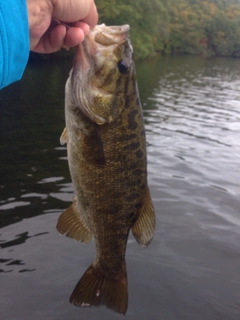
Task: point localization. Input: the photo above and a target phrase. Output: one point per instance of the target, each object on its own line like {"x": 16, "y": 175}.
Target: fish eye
{"x": 123, "y": 66}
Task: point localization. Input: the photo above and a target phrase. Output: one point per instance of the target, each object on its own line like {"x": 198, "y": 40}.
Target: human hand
{"x": 48, "y": 34}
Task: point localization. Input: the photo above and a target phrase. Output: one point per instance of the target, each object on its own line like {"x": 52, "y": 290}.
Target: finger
{"x": 72, "y": 11}
{"x": 82, "y": 25}
{"x": 73, "y": 37}
{"x": 92, "y": 18}
{"x": 59, "y": 37}
{"x": 51, "y": 41}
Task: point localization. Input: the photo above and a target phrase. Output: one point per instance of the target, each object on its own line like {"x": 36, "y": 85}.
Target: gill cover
{"x": 97, "y": 80}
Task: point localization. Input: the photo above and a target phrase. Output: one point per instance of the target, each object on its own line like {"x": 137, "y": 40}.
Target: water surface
{"x": 191, "y": 269}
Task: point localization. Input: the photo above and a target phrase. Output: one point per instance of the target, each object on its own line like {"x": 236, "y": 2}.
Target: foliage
{"x": 144, "y": 17}
{"x": 209, "y": 27}
{"x": 206, "y": 27}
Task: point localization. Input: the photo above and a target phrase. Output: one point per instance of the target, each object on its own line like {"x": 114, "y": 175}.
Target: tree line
{"x": 204, "y": 27}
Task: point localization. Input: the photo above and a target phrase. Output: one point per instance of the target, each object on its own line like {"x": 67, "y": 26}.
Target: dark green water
{"x": 191, "y": 269}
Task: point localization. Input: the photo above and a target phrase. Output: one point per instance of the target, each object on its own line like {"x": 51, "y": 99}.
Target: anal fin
{"x": 71, "y": 224}
{"x": 144, "y": 227}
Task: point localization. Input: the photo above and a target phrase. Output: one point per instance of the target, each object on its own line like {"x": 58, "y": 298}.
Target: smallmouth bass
{"x": 106, "y": 149}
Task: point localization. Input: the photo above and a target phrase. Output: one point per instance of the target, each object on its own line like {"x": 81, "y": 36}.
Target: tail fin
{"x": 94, "y": 289}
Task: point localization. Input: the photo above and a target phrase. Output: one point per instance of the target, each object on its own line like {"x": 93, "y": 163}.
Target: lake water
{"x": 191, "y": 270}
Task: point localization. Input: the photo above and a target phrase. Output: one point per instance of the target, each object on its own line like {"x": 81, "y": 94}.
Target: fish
{"x": 106, "y": 150}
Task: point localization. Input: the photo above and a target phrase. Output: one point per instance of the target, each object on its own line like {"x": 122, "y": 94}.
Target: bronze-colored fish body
{"x": 107, "y": 160}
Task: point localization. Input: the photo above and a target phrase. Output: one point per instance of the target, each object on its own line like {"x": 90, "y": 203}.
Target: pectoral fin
{"x": 143, "y": 228}
{"x": 64, "y": 137}
{"x": 71, "y": 224}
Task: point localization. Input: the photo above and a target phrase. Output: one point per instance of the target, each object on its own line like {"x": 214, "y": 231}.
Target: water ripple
{"x": 193, "y": 127}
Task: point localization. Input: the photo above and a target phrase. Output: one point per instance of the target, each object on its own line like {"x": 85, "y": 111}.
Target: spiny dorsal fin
{"x": 71, "y": 224}
{"x": 143, "y": 228}
{"x": 95, "y": 289}
{"x": 64, "y": 137}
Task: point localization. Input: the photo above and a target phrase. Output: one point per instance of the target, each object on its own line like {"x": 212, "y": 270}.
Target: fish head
{"x": 103, "y": 73}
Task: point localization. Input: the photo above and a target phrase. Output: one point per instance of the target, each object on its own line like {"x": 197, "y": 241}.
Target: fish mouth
{"x": 111, "y": 35}
{"x": 112, "y": 30}
{"x": 101, "y": 40}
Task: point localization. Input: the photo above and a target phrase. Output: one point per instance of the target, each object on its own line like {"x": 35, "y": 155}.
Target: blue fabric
{"x": 14, "y": 40}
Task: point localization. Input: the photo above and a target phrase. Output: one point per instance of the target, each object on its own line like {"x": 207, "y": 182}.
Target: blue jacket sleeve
{"x": 14, "y": 40}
